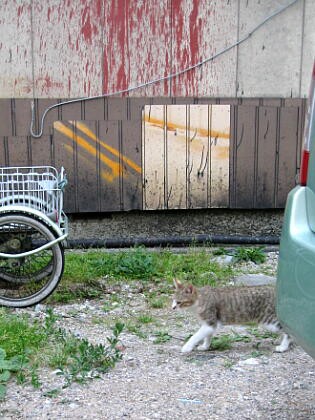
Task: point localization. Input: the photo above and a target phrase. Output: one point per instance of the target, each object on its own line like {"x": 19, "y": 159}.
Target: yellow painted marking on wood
{"x": 203, "y": 132}
{"x": 104, "y": 174}
{"x": 115, "y": 167}
{"x": 114, "y": 151}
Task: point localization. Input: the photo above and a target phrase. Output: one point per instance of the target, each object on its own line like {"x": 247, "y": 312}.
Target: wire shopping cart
{"x": 33, "y": 229}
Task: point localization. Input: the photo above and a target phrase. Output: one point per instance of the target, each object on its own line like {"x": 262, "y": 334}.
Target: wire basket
{"x": 38, "y": 187}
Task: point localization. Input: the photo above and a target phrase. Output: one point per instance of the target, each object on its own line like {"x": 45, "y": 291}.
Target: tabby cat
{"x": 228, "y": 305}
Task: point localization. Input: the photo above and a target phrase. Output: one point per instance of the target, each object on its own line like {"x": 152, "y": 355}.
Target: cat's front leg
{"x": 206, "y": 344}
{"x": 284, "y": 345}
{"x": 204, "y": 333}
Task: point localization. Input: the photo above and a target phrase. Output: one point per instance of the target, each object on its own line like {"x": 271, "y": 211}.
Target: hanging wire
{"x": 154, "y": 81}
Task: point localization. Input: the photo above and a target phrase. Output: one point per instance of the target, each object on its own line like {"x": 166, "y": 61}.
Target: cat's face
{"x": 184, "y": 296}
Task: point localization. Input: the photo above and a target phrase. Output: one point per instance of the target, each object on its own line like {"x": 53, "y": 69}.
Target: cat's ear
{"x": 190, "y": 288}
{"x": 177, "y": 284}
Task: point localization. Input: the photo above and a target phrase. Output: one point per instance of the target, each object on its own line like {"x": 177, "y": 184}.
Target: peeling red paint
{"x": 166, "y": 73}
{"x": 86, "y": 28}
{"x": 100, "y": 46}
{"x": 186, "y": 44}
{"x": 115, "y": 53}
{"x": 20, "y": 11}
{"x": 47, "y": 83}
{"x": 194, "y": 27}
{"x": 69, "y": 85}
{"x": 99, "y": 6}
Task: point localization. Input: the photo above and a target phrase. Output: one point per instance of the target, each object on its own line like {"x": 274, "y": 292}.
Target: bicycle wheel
{"x": 28, "y": 280}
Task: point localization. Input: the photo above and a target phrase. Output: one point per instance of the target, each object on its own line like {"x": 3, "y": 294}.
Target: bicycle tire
{"x": 29, "y": 281}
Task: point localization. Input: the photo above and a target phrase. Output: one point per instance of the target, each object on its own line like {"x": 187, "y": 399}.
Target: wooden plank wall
{"x": 100, "y": 144}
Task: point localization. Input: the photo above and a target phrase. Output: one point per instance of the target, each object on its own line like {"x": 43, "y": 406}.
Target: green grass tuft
{"x": 27, "y": 345}
{"x": 255, "y": 254}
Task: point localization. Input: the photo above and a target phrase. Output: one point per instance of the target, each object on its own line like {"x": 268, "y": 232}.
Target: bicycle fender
{"x": 32, "y": 212}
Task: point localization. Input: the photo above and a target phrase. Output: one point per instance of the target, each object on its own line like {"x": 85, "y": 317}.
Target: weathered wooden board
{"x": 65, "y": 154}
{"x": 18, "y": 151}
{"x": 114, "y": 163}
{"x": 131, "y": 162}
{"x": 6, "y": 117}
{"x": 266, "y": 155}
{"x": 153, "y": 158}
{"x": 41, "y": 151}
{"x": 3, "y": 161}
{"x": 288, "y": 144}
{"x": 186, "y": 156}
{"x": 103, "y": 166}
{"x": 244, "y": 167}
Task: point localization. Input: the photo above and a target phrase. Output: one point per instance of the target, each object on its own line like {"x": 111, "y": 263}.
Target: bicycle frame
{"x": 33, "y": 231}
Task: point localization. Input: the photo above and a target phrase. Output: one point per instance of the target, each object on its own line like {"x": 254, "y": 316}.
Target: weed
{"x": 219, "y": 251}
{"x": 7, "y": 367}
{"x": 111, "y": 304}
{"x": 241, "y": 338}
{"x": 221, "y": 342}
{"x": 145, "y": 319}
{"x": 18, "y": 336}
{"x": 262, "y": 334}
{"x": 138, "y": 264}
{"x": 256, "y": 353}
{"x": 52, "y": 393}
{"x": 84, "y": 360}
{"x": 135, "y": 329}
{"x": 158, "y": 302}
{"x": 255, "y": 254}
{"x": 228, "y": 363}
{"x": 161, "y": 337}
{"x": 26, "y": 346}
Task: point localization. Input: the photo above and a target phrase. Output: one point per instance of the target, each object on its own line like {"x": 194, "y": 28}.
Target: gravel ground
{"x": 155, "y": 381}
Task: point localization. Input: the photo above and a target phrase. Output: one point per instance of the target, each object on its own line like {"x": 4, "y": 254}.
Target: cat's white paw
{"x": 204, "y": 347}
{"x": 284, "y": 345}
{"x": 281, "y": 349}
{"x": 187, "y": 348}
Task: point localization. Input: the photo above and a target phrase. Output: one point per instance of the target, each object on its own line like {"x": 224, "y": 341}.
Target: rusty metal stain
{"x": 186, "y": 156}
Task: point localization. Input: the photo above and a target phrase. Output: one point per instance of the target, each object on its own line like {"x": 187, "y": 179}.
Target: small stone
{"x": 251, "y": 361}
{"x": 40, "y": 308}
{"x": 223, "y": 259}
{"x": 254, "y": 280}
